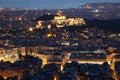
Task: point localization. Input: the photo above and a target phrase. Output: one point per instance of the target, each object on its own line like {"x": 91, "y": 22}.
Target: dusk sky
{"x": 47, "y": 4}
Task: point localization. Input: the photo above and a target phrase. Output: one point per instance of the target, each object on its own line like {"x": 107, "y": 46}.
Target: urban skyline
{"x": 46, "y": 4}
{"x": 59, "y": 40}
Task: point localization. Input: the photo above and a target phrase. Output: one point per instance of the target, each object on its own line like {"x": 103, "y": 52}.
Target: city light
{"x": 30, "y": 29}
{"x": 80, "y": 43}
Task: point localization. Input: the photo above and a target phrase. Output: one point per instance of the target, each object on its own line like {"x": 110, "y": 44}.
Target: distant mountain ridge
{"x": 81, "y": 6}
{"x": 101, "y": 5}
{"x": 102, "y": 11}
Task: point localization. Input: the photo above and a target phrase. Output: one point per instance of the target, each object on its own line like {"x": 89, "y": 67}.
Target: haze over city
{"x": 48, "y": 4}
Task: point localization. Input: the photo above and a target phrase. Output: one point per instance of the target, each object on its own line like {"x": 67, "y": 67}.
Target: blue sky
{"x": 47, "y": 4}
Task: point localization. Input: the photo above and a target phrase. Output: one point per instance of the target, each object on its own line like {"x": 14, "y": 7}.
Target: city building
{"x": 58, "y": 21}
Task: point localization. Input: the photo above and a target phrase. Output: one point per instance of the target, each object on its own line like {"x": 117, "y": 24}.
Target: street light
{"x": 30, "y": 29}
